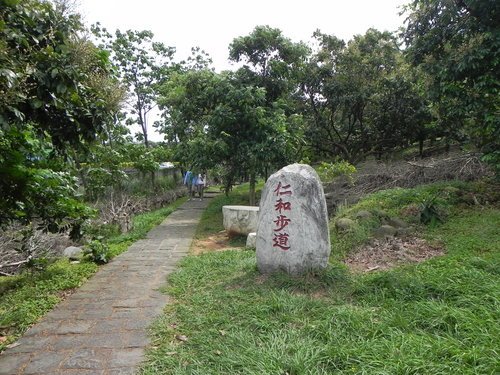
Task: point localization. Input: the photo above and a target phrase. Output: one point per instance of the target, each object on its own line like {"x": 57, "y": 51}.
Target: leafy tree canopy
{"x": 457, "y": 44}
{"x": 57, "y": 94}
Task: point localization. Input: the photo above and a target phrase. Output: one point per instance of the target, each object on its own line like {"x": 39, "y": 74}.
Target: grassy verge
{"x": 27, "y": 297}
{"x": 437, "y": 317}
{"x": 448, "y": 199}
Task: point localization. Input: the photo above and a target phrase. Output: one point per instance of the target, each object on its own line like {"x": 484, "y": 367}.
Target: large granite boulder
{"x": 292, "y": 233}
{"x": 240, "y": 219}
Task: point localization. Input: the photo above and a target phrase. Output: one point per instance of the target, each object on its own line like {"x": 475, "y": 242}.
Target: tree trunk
{"x": 252, "y": 189}
{"x": 152, "y": 181}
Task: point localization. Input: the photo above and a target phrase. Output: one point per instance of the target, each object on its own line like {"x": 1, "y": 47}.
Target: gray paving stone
{"x": 102, "y": 313}
{"x": 29, "y": 344}
{"x": 102, "y": 327}
{"x": 122, "y": 371}
{"x": 80, "y": 326}
{"x": 113, "y": 340}
{"x": 137, "y": 340}
{"x": 13, "y": 363}
{"x": 126, "y": 357}
{"x": 127, "y": 313}
{"x": 69, "y": 341}
{"x": 127, "y": 303}
{"x": 44, "y": 362}
{"x": 90, "y": 359}
{"x": 42, "y": 327}
{"x": 82, "y": 372}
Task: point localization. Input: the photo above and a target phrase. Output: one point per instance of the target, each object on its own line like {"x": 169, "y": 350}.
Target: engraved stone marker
{"x": 292, "y": 233}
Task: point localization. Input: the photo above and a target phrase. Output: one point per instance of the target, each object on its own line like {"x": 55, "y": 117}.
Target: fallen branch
{"x": 16, "y": 264}
{"x": 420, "y": 165}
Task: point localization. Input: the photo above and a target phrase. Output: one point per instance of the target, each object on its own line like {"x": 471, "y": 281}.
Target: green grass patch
{"x": 437, "y": 317}
{"x": 211, "y": 219}
{"x": 449, "y": 198}
{"x": 25, "y": 298}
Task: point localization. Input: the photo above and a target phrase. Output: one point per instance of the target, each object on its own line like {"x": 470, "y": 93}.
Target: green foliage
{"x": 430, "y": 212}
{"x": 222, "y": 121}
{"x": 46, "y": 74}
{"x": 271, "y": 61}
{"x": 33, "y": 183}
{"x": 104, "y": 169}
{"x": 328, "y": 171}
{"x": 416, "y": 319}
{"x": 142, "y": 65}
{"x": 492, "y": 157}
{"x": 56, "y": 95}
{"x": 97, "y": 251}
{"x": 360, "y": 98}
{"x": 456, "y": 44}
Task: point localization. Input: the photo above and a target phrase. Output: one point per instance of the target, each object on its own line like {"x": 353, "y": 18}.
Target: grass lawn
{"x": 211, "y": 218}
{"x": 437, "y": 317}
{"x": 25, "y": 298}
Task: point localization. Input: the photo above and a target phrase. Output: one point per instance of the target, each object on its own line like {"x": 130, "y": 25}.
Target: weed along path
{"x": 102, "y": 327}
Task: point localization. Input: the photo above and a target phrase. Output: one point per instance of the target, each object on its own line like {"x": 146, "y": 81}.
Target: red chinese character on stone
{"x": 280, "y": 205}
{"x": 281, "y": 189}
{"x": 281, "y": 222}
{"x": 281, "y": 241}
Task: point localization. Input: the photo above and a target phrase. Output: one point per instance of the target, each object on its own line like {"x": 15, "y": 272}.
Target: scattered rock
{"x": 363, "y": 214}
{"x": 405, "y": 231}
{"x": 396, "y": 222}
{"x": 344, "y": 224}
{"x": 251, "y": 240}
{"x": 181, "y": 338}
{"x": 381, "y": 214}
{"x": 73, "y": 252}
{"x": 385, "y": 231}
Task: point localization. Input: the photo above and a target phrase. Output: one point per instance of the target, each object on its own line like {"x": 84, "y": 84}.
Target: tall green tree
{"x": 359, "y": 98}
{"x": 142, "y": 64}
{"x": 56, "y": 96}
{"x": 270, "y": 60}
{"x": 224, "y": 121}
{"x": 456, "y": 43}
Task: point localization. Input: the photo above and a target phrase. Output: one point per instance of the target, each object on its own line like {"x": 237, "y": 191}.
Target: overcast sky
{"x": 213, "y": 24}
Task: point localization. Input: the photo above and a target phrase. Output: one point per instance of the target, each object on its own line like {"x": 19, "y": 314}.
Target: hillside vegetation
{"x": 436, "y": 316}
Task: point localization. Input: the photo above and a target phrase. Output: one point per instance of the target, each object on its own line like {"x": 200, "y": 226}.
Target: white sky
{"x": 213, "y": 24}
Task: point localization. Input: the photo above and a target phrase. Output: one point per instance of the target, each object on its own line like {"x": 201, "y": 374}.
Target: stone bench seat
{"x": 240, "y": 219}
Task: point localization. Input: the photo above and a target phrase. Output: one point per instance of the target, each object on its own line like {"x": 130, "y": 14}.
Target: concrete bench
{"x": 240, "y": 219}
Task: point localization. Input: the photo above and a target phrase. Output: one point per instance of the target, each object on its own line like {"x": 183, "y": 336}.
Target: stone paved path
{"x": 101, "y": 328}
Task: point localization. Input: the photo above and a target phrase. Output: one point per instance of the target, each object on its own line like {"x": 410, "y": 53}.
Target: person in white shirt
{"x": 200, "y": 184}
